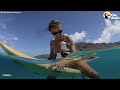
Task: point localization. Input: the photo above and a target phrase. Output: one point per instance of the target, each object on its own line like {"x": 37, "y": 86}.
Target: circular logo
{"x": 106, "y": 15}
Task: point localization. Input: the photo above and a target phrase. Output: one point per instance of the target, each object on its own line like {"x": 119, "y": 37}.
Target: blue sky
{"x": 20, "y": 30}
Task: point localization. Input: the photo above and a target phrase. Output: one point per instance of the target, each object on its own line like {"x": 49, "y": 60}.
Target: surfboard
{"x": 39, "y": 65}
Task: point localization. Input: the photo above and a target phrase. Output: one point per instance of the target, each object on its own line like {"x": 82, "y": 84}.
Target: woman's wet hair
{"x": 53, "y": 23}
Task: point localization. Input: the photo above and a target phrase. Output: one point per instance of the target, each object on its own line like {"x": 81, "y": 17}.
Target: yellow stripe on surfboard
{"x": 14, "y": 52}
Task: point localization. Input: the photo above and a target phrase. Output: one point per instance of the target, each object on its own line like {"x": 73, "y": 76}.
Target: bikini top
{"x": 64, "y": 48}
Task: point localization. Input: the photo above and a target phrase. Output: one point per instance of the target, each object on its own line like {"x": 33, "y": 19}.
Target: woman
{"x": 56, "y": 51}
{"x": 55, "y": 28}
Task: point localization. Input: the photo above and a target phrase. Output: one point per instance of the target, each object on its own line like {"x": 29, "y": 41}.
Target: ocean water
{"x": 107, "y": 65}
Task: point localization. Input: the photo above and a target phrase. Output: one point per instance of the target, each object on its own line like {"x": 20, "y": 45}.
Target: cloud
{"x": 5, "y": 36}
{"x": 78, "y": 36}
{"x": 3, "y": 22}
{"x": 10, "y": 39}
{"x": 108, "y": 23}
{"x": 88, "y": 40}
{"x": 3, "y": 26}
{"x": 15, "y": 38}
{"x": 110, "y": 30}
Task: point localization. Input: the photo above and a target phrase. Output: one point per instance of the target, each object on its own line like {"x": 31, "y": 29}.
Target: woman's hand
{"x": 57, "y": 66}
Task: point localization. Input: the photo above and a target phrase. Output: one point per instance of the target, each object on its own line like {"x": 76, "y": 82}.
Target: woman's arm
{"x": 72, "y": 44}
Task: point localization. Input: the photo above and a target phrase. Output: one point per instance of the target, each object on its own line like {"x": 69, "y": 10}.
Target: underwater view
{"x": 107, "y": 65}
